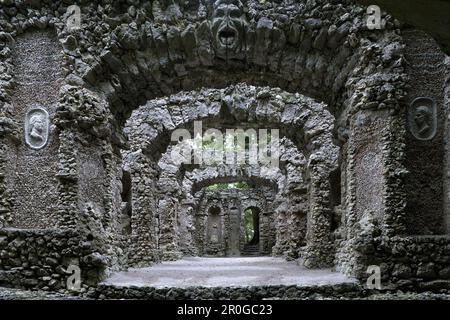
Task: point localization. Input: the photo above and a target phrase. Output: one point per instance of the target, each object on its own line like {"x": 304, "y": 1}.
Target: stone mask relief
{"x": 422, "y": 119}
{"x": 228, "y": 27}
{"x": 36, "y": 128}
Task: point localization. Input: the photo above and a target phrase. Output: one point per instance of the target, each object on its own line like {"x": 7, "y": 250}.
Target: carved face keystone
{"x": 228, "y": 23}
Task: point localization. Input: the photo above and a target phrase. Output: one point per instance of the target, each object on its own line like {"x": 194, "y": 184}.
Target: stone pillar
{"x": 186, "y": 240}
{"x": 68, "y": 181}
{"x": 168, "y": 233}
{"x": 265, "y": 238}
{"x": 32, "y": 159}
{"x": 426, "y": 143}
{"x": 144, "y": 226}
{"x": 447, "y": 147}
{"x": 319, "y": 249}
{"x": 280, "y": 225}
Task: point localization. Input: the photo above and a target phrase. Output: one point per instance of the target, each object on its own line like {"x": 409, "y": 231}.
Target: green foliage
{"x": 227, "y": 186}
{"x": 249, "y": 225}
{"x": 218, "y": 187}
{"x": 241, "y": 185}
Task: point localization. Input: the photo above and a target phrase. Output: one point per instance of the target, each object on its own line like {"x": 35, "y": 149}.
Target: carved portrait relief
{"x": 37, "y": 128}
{"x": 422, "y": 119}
{"x": 228, "y": 28}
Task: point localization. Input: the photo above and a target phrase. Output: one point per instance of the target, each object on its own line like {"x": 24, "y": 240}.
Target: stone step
{"x": 330, "y": 291}
{"x": 251, "y": 250}
{"x": 245, "y": 254}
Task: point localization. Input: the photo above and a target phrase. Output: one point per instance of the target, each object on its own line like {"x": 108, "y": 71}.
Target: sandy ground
{"x": 227, "y": 272}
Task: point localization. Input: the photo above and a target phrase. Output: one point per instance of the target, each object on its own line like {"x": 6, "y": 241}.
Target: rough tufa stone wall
{"x": 224, "y": 204}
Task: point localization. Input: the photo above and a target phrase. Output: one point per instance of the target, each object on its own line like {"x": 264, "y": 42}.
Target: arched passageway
{"x": 252, "y": 231}
{"x": 135, "y": 72}
{"x": 226, "y": 205}
{"x": 251, "y": 226}
{"x": 308, "y": 125}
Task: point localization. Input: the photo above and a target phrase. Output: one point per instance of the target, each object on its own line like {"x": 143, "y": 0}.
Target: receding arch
{"x": 145, "y": 61}
{"x": 335, "y": 60}
{"x": 307, "y": 122}
{"x": 231, "y": 204}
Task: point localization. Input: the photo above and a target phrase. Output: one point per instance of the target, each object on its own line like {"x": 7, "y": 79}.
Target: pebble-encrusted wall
{"x": 426, "y": 144}
{"x": 36, "y": 259}
{"x": 63, "y": 138}
{"x": 32, "y": 161}
{"x": 224, "y": 204}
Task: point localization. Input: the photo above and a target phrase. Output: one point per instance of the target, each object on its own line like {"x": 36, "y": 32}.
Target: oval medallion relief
{"x": 37, "y": 128}
{"x": 422, "y": 119}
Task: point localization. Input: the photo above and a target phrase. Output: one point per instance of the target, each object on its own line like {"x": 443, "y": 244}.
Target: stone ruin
{"x": 91, "y": 94}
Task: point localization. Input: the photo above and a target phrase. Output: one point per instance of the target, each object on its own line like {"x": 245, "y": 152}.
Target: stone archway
{"x": 358, "y": 74}
{"x": 251, "y": 223}
{"x": 308, "y": 123}
{"x": 300, "y": 53}
{"x": 196, "y": 181}
{"x": 232, "y": 203}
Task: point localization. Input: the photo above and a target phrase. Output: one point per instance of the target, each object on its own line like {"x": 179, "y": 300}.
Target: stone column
{"x": 187, "y": 227}
{"x": 447, "y": 147}
{"x": 168, "y": 234}
{"x": 319, "y": 249}
{"x": 68, "y": 181}
{"x": 168, "y": 193}
{"x": 32, "y": 159}
{"x": 144, "y": 226}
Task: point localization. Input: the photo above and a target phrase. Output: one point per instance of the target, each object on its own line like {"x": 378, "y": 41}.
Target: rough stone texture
{"x": 415, "y": 262}
{"x": 310, "y": 293}
{"x": 233, "y": 202}
{"x": 18, "y": 294}
{"x": 31, "y": 173}
{"x": 135, "y": 71}
{"x": 429, "y": 16}
{"x": 289, "y": 181}
{"x": 229, "y": 293}
{"x": 424, "y": 159}
{"x": 39, "y": 259}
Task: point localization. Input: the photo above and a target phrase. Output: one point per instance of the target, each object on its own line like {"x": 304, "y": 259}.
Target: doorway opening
{"x": 251, "y": 232}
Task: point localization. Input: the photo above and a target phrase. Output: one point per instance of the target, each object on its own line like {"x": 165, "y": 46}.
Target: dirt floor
{"x": 216, "y": 272}
{"x": 225, "y": 272}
